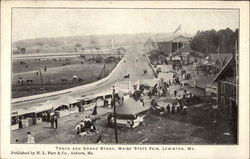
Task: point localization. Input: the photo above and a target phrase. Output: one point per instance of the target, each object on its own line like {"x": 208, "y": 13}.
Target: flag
{"x": 179, "y": 28}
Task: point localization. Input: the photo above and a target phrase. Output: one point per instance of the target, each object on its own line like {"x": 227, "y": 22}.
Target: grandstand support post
{"x": 115, "y": 124}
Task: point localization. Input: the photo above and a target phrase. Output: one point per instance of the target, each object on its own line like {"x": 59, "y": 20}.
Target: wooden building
{"x": 172, "y": 43}
{"x": 227, "y": 86}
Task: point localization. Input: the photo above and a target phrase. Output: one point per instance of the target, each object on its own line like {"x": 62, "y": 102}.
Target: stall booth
{"x": 42, "y": 112}
{"x": 23, "y": 118}
{"x": 130, "y": 114}
{"x": 108, "y": 98}
{"x": 73, "y": 104}
{"x": 14, "y": 120}
{"x": 60, "y": 108}
{"x": 88, "y": 102}
{"x": 99, "y": 101}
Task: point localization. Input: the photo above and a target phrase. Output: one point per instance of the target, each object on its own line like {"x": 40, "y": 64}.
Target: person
{"x": 179, "y": 98}
{"x": 17, "y": 141}
{"x": 175, "y": 93}
{"x": 106, "y": 102}
{"x": 30, "y": 137}
{"x": 184, "y": 110}
{"x": 48, "y": 116}
{"x": 56, "y": 121}
{"x": 92, "y": 127}
{"x": 168, "y": 108}
{"x": 94, "y": 110}
{"x": 150, "y": 94}
{"x": 191, "y": 95}
{"x": 178, "y": 108}
{"x": 109, "y": 119}
{"x": 78, "y": 129}
{"x": 82, "y": 126}
{"x": 52, "y": 121}
{"x": 181, "y": 107}
{"x": 20, "y": 124}
{"x": 99, "y": 139}
{"x": 45, "y": 68}
{"x": 173, "y": 109}
{"x": 141, "y": 100}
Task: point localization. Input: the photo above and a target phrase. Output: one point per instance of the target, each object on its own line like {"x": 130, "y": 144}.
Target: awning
{"x": 22, "y": 111}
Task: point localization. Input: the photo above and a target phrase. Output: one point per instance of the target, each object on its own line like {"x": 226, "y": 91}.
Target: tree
{"x": 210, "y": 40}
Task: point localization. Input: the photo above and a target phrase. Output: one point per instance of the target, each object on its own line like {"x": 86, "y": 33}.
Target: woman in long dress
{"x": 30, "y": 138}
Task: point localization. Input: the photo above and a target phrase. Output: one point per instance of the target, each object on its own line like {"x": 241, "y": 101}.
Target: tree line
{"x": 211, "y": 41}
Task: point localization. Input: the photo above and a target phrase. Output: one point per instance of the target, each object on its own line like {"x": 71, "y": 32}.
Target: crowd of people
{"x": 85, "y": 126}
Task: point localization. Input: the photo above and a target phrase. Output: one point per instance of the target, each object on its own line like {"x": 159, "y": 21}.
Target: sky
{"x": 40, "y": 23}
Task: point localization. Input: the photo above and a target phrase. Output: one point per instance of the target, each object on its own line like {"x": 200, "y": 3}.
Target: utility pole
{"x": 40, "y": 72}
{"x": 115, "y": 124}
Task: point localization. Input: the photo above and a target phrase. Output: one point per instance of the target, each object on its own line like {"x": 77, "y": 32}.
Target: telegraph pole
{"x": 115, "y": 124}
{"x": 40, "y": 72}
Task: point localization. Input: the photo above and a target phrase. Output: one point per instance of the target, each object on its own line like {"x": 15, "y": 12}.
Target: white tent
{"x": 149, "y": 82}
{"x": 165, "y": 68}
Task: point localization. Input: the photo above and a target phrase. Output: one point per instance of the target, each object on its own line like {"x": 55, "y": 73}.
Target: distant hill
{"x": 68, "y": 44}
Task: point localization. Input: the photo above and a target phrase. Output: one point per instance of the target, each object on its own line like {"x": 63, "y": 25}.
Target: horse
{"x": 29, "y": 81}
{"x": 127, "y": 76}
{"x": 64, "y": 80}
{"x": 80, "y": 80}
{"x": 20, "y": 81}
{"x": 22, "y": 62}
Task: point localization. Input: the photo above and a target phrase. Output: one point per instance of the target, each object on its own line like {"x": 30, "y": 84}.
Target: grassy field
{"x": 52, "y": 78}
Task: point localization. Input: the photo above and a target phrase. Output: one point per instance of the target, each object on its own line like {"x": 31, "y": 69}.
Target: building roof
{"x": 129, "y": 108}
{"x": 170, "y": 37}
{"x": 224, "y": 69}
{"x": 221, "y": 57}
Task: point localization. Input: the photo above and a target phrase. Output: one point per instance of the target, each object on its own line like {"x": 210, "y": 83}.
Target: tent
{"x": 149, "y": 82}
{"x": 165, "y": 68}
{"x": 130, "y": 109}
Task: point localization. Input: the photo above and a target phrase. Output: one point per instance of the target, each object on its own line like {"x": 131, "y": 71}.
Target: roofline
{"x": 223, "y": 69}
{"x": 179, "y": 36}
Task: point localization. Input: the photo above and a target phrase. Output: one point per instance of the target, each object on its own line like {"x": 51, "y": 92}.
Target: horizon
{"x": 58, "y": 23}
{"x": 117, "y": 34}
